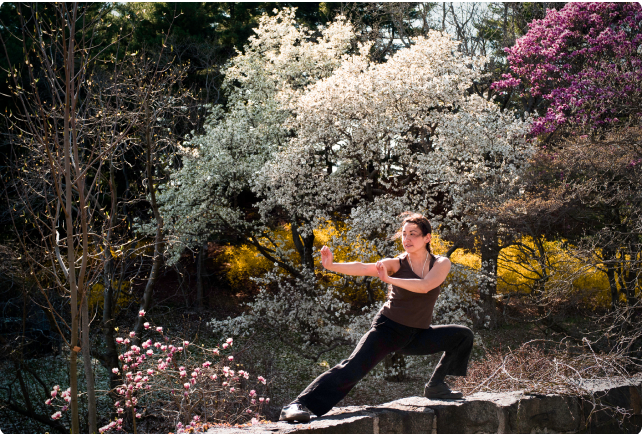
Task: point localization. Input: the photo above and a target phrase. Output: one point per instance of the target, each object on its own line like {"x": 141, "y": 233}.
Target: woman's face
{"x": 412, "y": 239}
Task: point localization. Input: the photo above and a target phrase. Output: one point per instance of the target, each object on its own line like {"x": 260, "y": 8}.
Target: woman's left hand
{"x": 382, "y": 271}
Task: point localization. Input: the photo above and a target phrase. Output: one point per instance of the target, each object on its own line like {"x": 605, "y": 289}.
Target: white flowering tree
{"x": 314, "y": 132}
{"x": 374, "y": 140}
{"x": 212, "y": 191}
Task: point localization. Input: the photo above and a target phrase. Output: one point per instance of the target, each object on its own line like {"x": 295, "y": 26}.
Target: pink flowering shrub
{"x": 585, "y": 61}
{"x": 59, "y": 399}
{"x": 187, "y": 384}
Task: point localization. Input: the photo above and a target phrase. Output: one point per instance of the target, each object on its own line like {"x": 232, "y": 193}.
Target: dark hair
{"x": 421, "y": 222}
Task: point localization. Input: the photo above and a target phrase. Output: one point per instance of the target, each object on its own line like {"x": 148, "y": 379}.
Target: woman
{"x": 402, "y": 325}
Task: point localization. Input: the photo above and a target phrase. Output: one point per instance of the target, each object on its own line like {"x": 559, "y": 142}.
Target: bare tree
{"x": 80, "y": 111}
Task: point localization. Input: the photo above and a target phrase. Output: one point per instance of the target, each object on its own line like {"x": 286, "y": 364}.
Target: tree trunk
{"x": 89, "y": 372}
{"x": 200, "y": 270}
{"x": 304, "y": 246}
{"x": 69, "y": 139}
{"x": 110, "y": 358}
{"x": 610, "y": 274}
{"x": 159, "y": 240}
{"x": 488, "y": 285}
{"x": 308, "y": 251}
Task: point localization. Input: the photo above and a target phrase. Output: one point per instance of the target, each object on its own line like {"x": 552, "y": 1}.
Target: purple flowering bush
{"x": 186, "y": 384}
{"x": 585, "y": 61}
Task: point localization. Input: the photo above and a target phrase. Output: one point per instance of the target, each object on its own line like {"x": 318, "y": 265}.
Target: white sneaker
{"x": 295, "y": 412}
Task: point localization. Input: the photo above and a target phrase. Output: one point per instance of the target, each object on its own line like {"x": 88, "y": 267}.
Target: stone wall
{"x": 510, "y": 412}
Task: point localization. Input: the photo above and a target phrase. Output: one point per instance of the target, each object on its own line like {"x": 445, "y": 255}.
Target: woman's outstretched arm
{"x": 431, "y": 280}
{"x": 354, "y": 268}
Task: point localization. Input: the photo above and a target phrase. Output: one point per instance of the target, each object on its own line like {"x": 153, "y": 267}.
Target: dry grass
{"x": 541, "y": 367}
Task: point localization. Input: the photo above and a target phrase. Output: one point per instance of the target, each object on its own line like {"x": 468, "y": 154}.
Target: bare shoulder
{"x": 442, "y": 262}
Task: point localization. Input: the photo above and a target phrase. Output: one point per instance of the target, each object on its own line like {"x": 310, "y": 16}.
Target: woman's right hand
{"x": 327, "y": 259}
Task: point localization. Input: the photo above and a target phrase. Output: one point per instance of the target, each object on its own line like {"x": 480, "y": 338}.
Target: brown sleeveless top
{"x": 411, "y": 309}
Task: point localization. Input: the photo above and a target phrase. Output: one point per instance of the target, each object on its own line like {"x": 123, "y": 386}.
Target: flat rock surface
{"x": 482, "y": 412}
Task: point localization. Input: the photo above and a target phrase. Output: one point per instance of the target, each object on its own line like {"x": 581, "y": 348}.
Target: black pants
{"x": 384, "y": 337}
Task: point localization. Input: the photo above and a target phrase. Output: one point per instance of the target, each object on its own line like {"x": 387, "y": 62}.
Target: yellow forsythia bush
{"x": 517, "y": 272}
{"x": 245, "y": 261}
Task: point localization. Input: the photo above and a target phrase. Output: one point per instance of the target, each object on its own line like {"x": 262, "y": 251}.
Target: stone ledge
{"x": 509, "y": 412}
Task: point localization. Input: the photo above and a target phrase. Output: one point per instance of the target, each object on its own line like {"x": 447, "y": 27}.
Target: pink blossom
{"x": 114, "y": 370}
{"x": 213, "y": 376}
{"x": 186, "y": 343}
{"x": 230, "y": 358}
{"x": 207, "y": 364}
{"x": 183, "y": 373}
{"x": 253, "y": 401}
{"x": 138, "y": 415}
{"x": 150, "y": 352}
{"x": 54, "y": 393}
{"x": 252, "y": 393}
{"x": 232, "y": 389}
{"x": 582, "y": 60}
{"x": 48, "y": 402}
{"x": 150, "y": 371}
{"x": 141, "y": 312}
{"x": 126, "y": 341}
{"x": 216, "y": 352}
{"x": 261, "y": 399}
{"x": 132, "y": 334}
{"x": 186, "y": 385}
{"x": 159, "y": 329}
{"x": 119, "y": 340}
{"x": 261, "y": 379}
{"x": 157, "y": 344}
{"x": 120, "y": 411}
{"x": 229, "y": 341}
{"x": 56, "y": 415}
{"x": 255, "y": 421}
{"x": 225, "y": 346}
